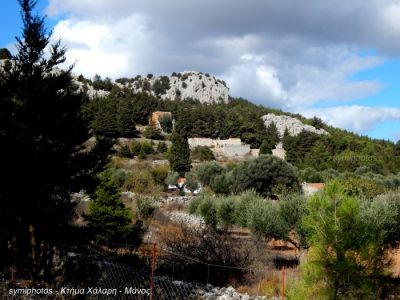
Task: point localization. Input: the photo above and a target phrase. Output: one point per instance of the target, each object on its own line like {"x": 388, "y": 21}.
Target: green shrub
{"x": 108, "y": 218}
{"x": 159, "y": 174}
{"x": 226, "y": 213}
{"x": 266, "y": 175}
{"x": 166, "y": 123}
{"x": 355, "y": 186}
{"x": 153, "y": 133}
{"x": 141, "y": 181}
{"x": 147, "y": 147}
{"x": 135, "y": 148}
{"x": 162, "y": 147}
{"x": 145, "y": 207}
{"x": 192, "y": 182}
{"x": 222, "y": 183}
{"x": 310, "y": 175}
{"x": 348, "y": 236}
{"x": 208, "y": 211}
{"x": 206, "y": 172}
{"x": 161, "y": 85}
{"x": 125, "y": 151}
{"x": 202, "y": 153}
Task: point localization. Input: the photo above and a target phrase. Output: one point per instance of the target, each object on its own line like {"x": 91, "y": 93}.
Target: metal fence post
{"x": 208, "y": 272}
{"x": 152, "y": 272}
{"x": 283, "y": 283}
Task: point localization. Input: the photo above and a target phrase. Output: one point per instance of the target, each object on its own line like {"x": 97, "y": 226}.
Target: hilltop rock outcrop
{"x": 188, "y": 84}
{"x": 293, "y": 125}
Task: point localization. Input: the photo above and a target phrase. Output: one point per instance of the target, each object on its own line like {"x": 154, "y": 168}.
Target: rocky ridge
{"x": 293, "y": 125}
{"x": 188, "y": 84}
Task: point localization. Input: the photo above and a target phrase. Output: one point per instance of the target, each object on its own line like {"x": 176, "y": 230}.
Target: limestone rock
{"x": 188, "y": 84}
{"x": 293, "y": 125}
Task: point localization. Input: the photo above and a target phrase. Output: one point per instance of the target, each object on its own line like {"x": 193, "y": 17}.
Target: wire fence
{"x": 99, "y": 277}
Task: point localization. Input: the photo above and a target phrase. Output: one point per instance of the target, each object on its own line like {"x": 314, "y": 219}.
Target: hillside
{"x": 312, "y": 143}
{"x": 180, "y": 86}
{"x": 202, "y": 101}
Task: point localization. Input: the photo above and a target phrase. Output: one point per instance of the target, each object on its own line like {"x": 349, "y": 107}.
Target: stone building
{"x": 194, "y": 142}
{"x": 155, "y": 117}
{"x": 279, "y": 151}
{"x": 232, "y": 147}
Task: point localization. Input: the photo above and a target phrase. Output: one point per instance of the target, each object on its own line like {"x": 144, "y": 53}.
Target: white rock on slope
{"x": 293, "y": 125}
{"x": 188, "y": 84}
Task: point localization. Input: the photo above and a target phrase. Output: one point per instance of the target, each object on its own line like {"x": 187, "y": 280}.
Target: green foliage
{"x": 159, "y": 174}
{"x": 355, "y": 186}
{"x": 317, "y": 123}
{"x": 266, "y": 174}
{"x": 266, "y": 147}
{"x": 111, "y": 117}
{"x": 206, "y": 172}
{"x": 108, "y": 218}
{"x": 102, "y": 84}
{"x": 264, "y": 217}
{"x": 192, "y": 182}
{"x": 162, "y": 147}
{"x": 153, "y": 133}
{"x": 143, "y": 181}
{"x": 208, "y": 211}
{"x": 147, "y": 148}
{"x": 297, "y": 147}
{"x": 340, "y": 150}
{"x": 310, "y": 175}
{"x": 179, "y": 157}
{"x": 166, "y": 123}
{"x": 348, "y": 236}
{"x": 272, "y": 135}
{"x": 41, "y": 129}
{"x": 161, "y": 85}
{"x": 172, "y": 178}
{"x": 222, "y": 183}
{"x": 5, "y": 54}
{"x": 202, "y": 153}
{"x": 136, "y": 147}
{"x": 125, "y": 151}
{"x": 145, "y": 207}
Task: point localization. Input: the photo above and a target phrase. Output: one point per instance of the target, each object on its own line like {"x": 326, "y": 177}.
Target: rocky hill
{"x": 188, "y": 84}
{"x": 293, "y": 125}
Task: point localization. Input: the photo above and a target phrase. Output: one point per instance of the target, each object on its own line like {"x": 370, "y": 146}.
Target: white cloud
{"x": 113, "y": 50}
{"x": 266, "y": 51}
{"x": 356, "y": 118}
{"x": 277, "y": 52}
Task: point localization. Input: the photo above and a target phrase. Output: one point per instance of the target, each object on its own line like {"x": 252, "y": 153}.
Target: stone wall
{"x": 234, "y": 150}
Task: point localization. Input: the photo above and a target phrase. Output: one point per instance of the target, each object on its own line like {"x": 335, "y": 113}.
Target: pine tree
{"x": 41, "y": 129}
{"x": 109, "y": 218}
{"x": 179, "y": 157}
{"x": 266, "y": 147}
{"x": 272, "y": 134}
{"x": 4, "y": 53}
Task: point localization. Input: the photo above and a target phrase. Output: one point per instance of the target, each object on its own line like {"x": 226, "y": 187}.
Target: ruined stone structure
{"x": 155, "y": 117}
{"x": 279, "y": 151}
{"x": 229, "y": 148}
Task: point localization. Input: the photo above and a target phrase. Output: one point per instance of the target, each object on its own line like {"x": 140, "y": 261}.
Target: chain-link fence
{"x": 99, "y": 277}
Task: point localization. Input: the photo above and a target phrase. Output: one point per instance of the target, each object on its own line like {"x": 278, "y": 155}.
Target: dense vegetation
{"x": 45, "y": 124}
{"x": 347, "y": 235}
{"x": 340, "y": 150}
{"x": 40, "y": 132}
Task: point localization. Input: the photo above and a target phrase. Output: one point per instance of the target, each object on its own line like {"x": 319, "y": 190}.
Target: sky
{"x": 338, "y": 59}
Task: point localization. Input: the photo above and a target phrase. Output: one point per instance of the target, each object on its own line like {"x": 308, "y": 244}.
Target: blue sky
{"x": 335, "y": 59}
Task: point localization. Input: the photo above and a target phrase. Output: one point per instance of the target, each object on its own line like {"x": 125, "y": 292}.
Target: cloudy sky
{"x": 336, "y": 59}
